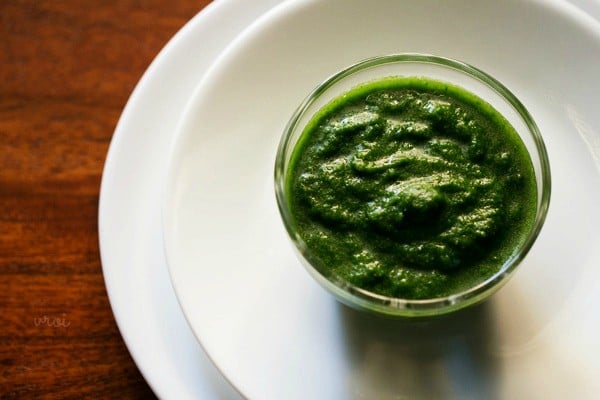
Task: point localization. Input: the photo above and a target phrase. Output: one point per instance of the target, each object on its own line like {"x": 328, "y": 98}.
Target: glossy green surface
{"x": 410, "y": 188}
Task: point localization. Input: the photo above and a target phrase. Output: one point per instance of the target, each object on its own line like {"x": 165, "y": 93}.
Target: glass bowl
{"x": 440, "y": 69}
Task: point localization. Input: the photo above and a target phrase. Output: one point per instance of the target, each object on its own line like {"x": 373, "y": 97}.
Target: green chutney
{"x": 410, "y": 188}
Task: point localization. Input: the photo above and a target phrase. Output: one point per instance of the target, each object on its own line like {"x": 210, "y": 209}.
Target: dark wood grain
{"x": 67, "y": 69}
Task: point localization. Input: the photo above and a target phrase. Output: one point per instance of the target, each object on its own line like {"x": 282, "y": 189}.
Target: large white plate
{"x": 274, "y": 332}
{"x": 143, "y": 301}
{"x": 130, "y": 231}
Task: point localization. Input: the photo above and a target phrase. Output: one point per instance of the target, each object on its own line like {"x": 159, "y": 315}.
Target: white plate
{"x": 130, "y": 231}
{"x": 273, "y": 331}
{"x": 143, "y": 301}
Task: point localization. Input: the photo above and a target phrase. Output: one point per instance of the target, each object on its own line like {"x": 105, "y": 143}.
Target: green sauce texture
{"x": 410, "y": 188}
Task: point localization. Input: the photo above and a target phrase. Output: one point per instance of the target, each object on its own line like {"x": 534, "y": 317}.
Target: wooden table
{"x": 67, "y": 69}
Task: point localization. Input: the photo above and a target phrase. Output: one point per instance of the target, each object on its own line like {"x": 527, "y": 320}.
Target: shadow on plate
{"x": 444, "y": 357}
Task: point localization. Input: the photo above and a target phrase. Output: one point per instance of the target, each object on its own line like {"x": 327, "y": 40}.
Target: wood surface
{"x": 67, "y": 68}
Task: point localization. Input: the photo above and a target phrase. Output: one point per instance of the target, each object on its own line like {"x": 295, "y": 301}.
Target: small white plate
{"x": 274, "y": 332}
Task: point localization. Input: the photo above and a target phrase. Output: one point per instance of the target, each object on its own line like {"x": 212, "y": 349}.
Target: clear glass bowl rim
{"x": 359, "y": 298}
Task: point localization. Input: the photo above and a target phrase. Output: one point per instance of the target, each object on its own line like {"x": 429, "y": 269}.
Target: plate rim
{"x": 214, "y": 10}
